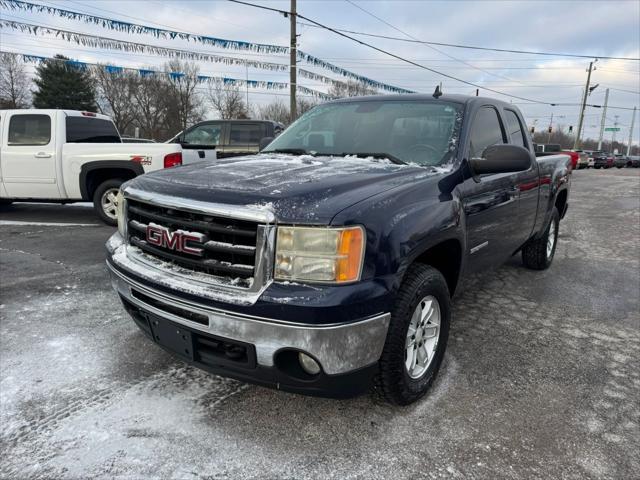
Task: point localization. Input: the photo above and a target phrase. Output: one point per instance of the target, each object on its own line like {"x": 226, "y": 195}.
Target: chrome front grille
{"x": 230, "y": 249}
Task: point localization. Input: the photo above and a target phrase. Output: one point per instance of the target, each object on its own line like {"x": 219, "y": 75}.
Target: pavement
{"x": 541, "y": 378}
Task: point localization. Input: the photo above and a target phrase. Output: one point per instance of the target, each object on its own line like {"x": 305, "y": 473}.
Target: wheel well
{"x": 561, "y": 201}
{"x": 96, "y": 177}
{"x": 446, "y": 257}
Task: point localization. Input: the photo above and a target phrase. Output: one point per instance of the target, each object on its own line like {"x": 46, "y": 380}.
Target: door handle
{"x": 42, "y": 155}
{"x": 201, "y": 153}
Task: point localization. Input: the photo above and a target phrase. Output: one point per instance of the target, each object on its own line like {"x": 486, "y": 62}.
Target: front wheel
{"x": 417, "y": 336}
{"x": 105, "y": 201}
{"x": 538, "y": 254}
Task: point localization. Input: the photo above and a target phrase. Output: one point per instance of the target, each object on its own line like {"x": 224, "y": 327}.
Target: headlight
{"x": 120, "y": 213}
{"x": 319, "y": 254}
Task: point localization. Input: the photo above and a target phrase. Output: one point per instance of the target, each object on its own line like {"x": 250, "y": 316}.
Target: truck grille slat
{"x": 228, "y": 246}
{"x": 169, "y": 220}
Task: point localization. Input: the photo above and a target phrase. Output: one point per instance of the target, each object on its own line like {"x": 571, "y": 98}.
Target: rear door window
{"x": 485, "y": 131}
{"x": 246, "y": 133}
{"x": 516, "y": 132}
{"x": 28, "y": 130}
{"x": 209, "y": 134}
{"x": 91, "y": 130}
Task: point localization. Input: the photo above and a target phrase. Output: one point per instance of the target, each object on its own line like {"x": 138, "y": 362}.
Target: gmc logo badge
{"x": 179, "y": 240}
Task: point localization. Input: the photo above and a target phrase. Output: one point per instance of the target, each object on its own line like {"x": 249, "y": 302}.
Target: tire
{"x": 535, "y": 254}
{"x": 106, "y": 213}
{"x": 422, "y": 284}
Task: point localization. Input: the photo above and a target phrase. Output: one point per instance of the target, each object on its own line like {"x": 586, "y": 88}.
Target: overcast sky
{"x": 606, "y": 28}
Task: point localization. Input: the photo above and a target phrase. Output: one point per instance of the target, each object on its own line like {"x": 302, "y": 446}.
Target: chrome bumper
{"x": 340, "y": 348}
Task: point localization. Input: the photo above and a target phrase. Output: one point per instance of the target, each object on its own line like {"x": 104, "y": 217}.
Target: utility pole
{"x": 293, "y": 57}
{"x": 550, "y": 128}
{"x": 613, "y": 136}
{"x": 246, "y": 70}
{"x": 633, "y": 121}
{"x": 604, "y": 115}
{"x": 576, "y": 144}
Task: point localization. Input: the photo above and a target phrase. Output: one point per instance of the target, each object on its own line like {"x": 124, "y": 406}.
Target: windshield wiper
{"x": 292, "y": 151}
{"x": 380, "y": 155}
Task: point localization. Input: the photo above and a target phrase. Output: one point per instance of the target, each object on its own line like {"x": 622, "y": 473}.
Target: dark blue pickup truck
{"x": 326, "y": 263}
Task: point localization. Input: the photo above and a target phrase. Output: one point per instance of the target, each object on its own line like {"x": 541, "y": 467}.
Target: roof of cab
{"x": 423, "y": 97}
{"x": 50, "y": 111}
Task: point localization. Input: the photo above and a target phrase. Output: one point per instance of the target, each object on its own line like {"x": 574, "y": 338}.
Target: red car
{"x": 575, "y": 156}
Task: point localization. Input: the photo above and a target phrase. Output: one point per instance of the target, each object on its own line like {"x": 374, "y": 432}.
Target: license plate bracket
{"x": 172, "y": 336}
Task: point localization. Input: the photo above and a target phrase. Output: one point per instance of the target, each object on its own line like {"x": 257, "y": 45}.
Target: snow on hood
{"x": 293, "y": 187}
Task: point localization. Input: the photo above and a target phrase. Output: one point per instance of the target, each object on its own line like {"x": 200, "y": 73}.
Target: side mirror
{"x": 501, "y": 159}
{"x": 264, "y": 142}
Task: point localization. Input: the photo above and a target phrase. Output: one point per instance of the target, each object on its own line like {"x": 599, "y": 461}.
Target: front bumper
{"x": 347, "y": 351}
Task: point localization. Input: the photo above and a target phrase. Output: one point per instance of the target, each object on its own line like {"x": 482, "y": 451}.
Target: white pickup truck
{"x": 69, "y": 156}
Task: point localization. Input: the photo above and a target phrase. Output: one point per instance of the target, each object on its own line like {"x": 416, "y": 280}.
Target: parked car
{"x": 583, "y": 159}
{"x": 137, "y": 140}
{"x": 330, "y": 258}
{"x": 602, "y": 160}
{"x": 633, "y": 161}
{"x": 575, "y": 158}
{"x": 591, "y": 157}
{"x": 68, "y": 156}
{"x": 224, "y": 138}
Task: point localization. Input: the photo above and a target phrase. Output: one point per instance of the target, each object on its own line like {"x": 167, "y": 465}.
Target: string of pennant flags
{"x": 126, "y": 46}
{"x": 106, "y": 43}
{"x": 174, "y": 76}
{"x": 134, "y": 28}
{"x": 141, "y": 29}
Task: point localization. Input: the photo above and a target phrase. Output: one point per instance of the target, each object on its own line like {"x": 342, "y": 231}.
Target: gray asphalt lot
{"x": 541, "y": 378}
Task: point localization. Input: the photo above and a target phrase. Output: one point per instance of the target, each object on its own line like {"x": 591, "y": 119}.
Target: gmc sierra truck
{"x": 67, "y": 156}
{"x": 327, "y": 263}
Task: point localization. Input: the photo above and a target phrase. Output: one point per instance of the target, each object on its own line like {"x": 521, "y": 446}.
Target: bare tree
{"x": 226, "y": 99}
{"x": 150, "y": 101}
{"x": 350, "y": 88}
{"x": 305, "y": 104}
{"x": 116, "y": 96}
{"x": 14, "y": 83}
{"x": 185, "y": 105}
{"x": 278, "y": 111}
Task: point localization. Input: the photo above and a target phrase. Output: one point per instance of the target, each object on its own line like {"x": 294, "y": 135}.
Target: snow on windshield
{"x": 423, "y": 133}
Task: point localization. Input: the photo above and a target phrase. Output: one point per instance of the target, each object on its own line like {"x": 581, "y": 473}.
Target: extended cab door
{"x": 199, "y": 143}
{"x": 527, "y": 182}
{"x": 29, "y": 156}
{"x": 490, "y": 201}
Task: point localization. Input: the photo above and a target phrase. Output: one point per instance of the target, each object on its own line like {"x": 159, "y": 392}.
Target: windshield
{"x": 419, "y": 132}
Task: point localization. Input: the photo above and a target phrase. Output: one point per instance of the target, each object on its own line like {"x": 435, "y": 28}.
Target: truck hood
{"x": 296, "y": 188}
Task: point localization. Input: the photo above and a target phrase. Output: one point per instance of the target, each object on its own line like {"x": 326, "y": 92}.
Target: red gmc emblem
{"x": 179, "y": 240}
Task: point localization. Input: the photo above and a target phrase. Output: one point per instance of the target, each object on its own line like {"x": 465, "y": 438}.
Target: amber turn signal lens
{"x": 350, "y": 255}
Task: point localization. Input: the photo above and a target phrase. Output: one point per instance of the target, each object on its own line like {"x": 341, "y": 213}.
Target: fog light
{"x": 308, "y": 364}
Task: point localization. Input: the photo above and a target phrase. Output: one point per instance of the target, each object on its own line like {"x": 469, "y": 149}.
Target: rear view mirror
{"x": 264, "y": 142}
{"x": 501, "y": 159}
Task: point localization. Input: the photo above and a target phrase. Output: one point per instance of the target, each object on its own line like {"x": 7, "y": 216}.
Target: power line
{"x": 466, "y": 82}
{"x": 475, "y": 47}
{"x": 137, "y": 28}
{"x": 430, "y": 46}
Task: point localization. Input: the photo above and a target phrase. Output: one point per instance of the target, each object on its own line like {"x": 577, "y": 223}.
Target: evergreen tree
{"x": 61, "y": 85}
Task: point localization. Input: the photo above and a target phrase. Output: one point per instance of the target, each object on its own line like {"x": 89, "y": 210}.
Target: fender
{"x": 560, "y": 182}
{"x": 88, "y": 167}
